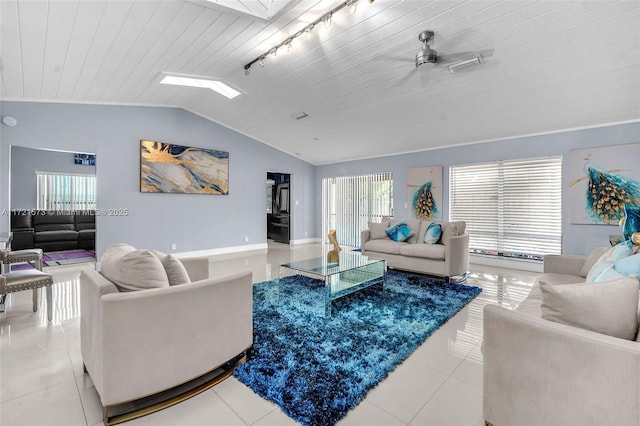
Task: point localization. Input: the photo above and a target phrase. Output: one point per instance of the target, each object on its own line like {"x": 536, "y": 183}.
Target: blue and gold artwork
{"x": 166, "y": 167}
{"x": 602, "y": 181}
{"x": 424, "y": 189}
{"x": 608, "y": 194}
{"x": 424, "y": 204}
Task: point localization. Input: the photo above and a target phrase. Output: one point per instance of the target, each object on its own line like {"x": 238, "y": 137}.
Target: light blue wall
{"x": 198, "y": 222}
{"x": 155, "y": 221}
{"x": 25, "y": 162}
{"x": 577, "y": 239}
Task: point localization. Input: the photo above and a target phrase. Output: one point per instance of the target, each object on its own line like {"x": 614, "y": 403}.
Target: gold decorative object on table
{"x": 333, "y": 256}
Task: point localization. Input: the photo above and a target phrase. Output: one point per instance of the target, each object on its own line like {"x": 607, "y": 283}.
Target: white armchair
{"x": 539, "y": 372}
{"x": 139, "y": 343}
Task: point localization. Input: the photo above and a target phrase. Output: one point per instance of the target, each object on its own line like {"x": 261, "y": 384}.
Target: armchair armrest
{"x": 563, "y": 263}
{"x": 456, "y": 255}
{"x": 197, "y": 267}
{"x": 538, "y": 372}
{"x": 93, "y": 287}
{"x": 364, "y": 237}
{"x": 196, "y": 326}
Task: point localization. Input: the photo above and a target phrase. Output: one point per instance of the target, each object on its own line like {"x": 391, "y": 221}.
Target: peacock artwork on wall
{"x": 602, "y": 182}
{"x": 424, "y": 189}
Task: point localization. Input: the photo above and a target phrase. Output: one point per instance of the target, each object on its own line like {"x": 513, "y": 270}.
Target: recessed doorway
{"x": 278, "y": 207}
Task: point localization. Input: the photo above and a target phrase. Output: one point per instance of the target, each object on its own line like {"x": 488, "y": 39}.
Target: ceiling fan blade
{"x": 389, "y": 58}
{"x": 453, "y": 57}
{"x": 485, "y": 53}
{"x": 404, "y": 79}
{"x": 459, "y": 56}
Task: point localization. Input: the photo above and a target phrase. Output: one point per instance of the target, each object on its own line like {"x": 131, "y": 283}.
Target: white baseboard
{"x": 304, "y": 241}
{"x": 502, "y": 262}
{"x": 221, "y": 250}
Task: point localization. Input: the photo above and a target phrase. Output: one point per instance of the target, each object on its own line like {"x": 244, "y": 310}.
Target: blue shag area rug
{"x": 317, "y": 369}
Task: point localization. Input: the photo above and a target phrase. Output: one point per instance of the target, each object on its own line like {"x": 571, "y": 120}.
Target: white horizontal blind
{"x": 512, "y": 208}
{"x": 59, "y": 191}
{"x": 349, "y": 203}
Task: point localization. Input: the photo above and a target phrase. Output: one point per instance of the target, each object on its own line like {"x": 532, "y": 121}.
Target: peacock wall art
{"x": 609, "y": 181}
{"x": 424, "y": 189}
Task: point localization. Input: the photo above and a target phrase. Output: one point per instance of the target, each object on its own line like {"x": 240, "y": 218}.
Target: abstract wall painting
{"x": 424, "y": 189}
{"x": 602, "y": 181}
{"x": 166, "y": 167}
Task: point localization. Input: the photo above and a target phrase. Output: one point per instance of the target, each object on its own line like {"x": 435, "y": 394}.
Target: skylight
{"x": 215, "y": 85}
{"x": 262, "y": 9}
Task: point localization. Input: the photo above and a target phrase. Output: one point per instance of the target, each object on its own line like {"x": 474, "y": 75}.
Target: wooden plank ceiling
{"x": 556, "y": 65}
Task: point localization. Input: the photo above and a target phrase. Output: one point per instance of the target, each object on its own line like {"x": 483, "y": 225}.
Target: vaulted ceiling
{"x": 556, "y": 65}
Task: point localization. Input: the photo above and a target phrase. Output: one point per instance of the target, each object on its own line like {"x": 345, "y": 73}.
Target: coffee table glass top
{"x": 320, "y": 266}
{"x": 353, "y": 273}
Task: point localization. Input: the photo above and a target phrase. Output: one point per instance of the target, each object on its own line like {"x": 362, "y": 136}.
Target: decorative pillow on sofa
{"x": 609, "y": 308}
{"x": 176, "y": 272}
{"x": 399, "y": 232}
{"x": 377, "y": 231}
{"x": 610, "y": 257}
{"x": 626, "y": 267}
{"x": 448, "y": 230}
{"x": 593, "y": 257}
{"x": 433, "y": 233}
{"x": 130, "y": 269}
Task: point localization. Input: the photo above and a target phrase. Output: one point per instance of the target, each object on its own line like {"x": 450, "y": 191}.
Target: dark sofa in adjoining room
{"x": 53, "y": 230}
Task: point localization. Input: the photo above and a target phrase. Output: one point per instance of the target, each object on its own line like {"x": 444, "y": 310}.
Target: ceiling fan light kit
{"x": 464, "y": 64}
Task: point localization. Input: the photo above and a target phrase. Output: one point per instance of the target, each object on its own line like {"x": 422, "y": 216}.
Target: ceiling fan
{"x": 455, "y": 60}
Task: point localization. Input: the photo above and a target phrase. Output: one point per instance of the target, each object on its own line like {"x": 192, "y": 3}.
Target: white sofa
{"x": 542, "y": 372}
{"x": 447, "y": 258}
{"x": 137, "y": 343}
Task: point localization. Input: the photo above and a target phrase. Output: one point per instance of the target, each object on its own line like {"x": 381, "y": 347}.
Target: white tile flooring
{"x": 42, "y": 382}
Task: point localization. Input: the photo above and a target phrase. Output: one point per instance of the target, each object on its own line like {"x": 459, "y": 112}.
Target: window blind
{"x": 349, "y": 203}
{"x": 58, "y": 191}
{"x": 512, "y": 208}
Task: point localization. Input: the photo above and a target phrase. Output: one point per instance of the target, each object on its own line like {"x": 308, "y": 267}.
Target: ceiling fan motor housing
{"x": 426, "y": 55}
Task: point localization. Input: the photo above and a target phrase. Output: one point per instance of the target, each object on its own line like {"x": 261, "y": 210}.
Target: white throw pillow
{"x": 609, "y": 307}
{"x": 593, "y": 257}
{"x": 176, "y": 272}
{"x": 448, "y": 230}
{"x": 377, "y": 231}
{"x": 130, "y": 269}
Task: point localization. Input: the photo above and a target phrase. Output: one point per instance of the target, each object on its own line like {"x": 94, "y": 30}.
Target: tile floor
{"x": 42, "y": 382}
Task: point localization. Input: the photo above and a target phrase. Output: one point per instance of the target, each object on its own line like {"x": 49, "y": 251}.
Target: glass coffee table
{"x": 353, "y": 273}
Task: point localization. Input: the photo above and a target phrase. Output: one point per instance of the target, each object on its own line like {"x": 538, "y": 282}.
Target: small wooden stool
{"x": 30, "y": 279}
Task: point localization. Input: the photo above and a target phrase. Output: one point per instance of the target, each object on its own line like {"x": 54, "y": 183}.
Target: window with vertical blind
{"x": 512, "y": 208}
{"x": 349, "y": 203}
{"x": 59, "y": 191}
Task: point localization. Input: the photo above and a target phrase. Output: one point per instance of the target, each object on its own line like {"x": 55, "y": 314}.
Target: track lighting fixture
{"x": 326, "y": 19}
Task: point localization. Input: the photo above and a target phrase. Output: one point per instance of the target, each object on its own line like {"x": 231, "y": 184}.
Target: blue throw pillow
{"x": 626, "y": 267}
{"x": 433, "y": 233}
{"x": 610, "y": 257}
{"x": 399, "y": 232}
